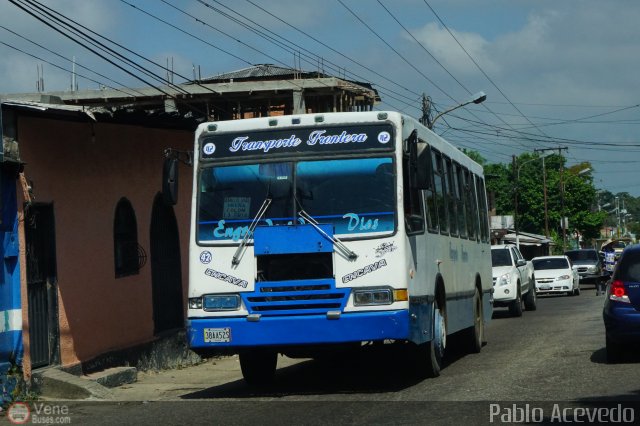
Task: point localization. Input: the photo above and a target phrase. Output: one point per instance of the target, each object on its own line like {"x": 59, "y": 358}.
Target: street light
{"x": 478, "y": 98}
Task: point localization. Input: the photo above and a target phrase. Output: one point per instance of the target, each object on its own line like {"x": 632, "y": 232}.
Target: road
{"x": 552, "y": 355}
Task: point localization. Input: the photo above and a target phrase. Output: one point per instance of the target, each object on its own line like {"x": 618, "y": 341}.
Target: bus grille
{"x": 295, "y": 297}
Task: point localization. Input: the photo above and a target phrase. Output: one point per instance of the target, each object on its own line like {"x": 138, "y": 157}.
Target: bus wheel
{"x": 431, "y": 353}
{"x": 258, "y": 366}
{"x": 474, "y": 335}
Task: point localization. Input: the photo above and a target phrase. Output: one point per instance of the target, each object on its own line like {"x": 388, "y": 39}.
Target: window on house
{"x": 125, "y": 240}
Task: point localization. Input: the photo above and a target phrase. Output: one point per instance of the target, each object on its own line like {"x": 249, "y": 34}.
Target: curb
{"x": 56, "y": 384}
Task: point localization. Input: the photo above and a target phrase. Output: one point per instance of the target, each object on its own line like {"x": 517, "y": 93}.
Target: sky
{"x": 557, "y": 74}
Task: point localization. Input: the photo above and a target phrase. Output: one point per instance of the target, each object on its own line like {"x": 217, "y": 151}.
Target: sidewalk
{"x": 172, "y": 384}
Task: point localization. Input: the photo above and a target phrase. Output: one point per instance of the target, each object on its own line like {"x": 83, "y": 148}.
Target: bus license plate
{"x": 217, "y": 335}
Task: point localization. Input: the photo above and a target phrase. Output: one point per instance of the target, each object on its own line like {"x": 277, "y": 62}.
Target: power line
{"x": 478, "y": 65}
{"x": 62, "y": 68}
{"x": 33, "y": 14}
{"x": 67, "y": 59}
{"x": 323, "y": 44}
{"x": 395, "y": 51}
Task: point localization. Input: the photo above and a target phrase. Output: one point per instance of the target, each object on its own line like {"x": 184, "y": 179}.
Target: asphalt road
{"x": 552, "y": 359}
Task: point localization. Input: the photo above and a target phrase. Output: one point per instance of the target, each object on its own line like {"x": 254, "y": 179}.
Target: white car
{"x": 555, "y": 274}
{"x": 513, "y": 280}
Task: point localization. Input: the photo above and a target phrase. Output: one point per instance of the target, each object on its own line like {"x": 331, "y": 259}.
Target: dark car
{"x": 587, "y": 263}
{"x": 622, "y": 305}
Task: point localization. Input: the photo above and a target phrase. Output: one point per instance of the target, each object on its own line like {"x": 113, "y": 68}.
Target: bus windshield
{"x": 356, "y": 196}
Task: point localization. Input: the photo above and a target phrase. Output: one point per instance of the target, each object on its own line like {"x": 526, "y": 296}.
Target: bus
{"x": 316, "y": 232}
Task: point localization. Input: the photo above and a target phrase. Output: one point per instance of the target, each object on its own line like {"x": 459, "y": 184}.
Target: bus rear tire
{"x": 258, "y": 366}
{"x": 474, "y": 335}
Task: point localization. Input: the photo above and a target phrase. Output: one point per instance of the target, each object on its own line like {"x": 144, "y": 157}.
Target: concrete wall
{"x": 84, "y": 169}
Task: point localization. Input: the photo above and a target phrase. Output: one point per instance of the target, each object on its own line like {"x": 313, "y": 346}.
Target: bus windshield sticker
{"x": 356, "y": 223}
{"x": 234, "y": 233}
{"x": 385, "y": 248}
{"x": 334, "y": 138}
{"x": 226, "y": 278}
{"x": 236, "y": 207}
{"x": 364, "y": 271}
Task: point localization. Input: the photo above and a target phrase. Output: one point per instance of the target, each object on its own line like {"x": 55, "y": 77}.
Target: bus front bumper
{"x": 297, "y": 329}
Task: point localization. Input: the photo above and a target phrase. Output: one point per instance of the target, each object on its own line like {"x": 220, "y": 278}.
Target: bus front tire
{"x": 258, "y": 366}
{"x": 430, "y": 354}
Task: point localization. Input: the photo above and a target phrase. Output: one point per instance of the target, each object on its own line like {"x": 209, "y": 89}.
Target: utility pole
{"x": 562, "y": 218}
{"x": 544, "y": 190}
{"x": 425, "y": 120}
{"x": 515, "y": 201}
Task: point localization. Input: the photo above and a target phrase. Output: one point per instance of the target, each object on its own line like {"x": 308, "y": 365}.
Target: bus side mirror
{"x": 420, "y": 161}
{"x": 170, "y": 181}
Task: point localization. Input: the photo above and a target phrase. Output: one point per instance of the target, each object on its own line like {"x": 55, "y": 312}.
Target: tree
{"x": 577, "y": 201}
{"x": 475, "y": 156}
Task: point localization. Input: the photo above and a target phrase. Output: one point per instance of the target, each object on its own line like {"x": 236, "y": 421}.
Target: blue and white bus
{"x": 324, "y": 230}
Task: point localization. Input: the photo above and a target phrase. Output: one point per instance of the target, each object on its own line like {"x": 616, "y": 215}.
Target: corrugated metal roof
{"x": 258, "y": 71}
{"x": 40, "y": 106}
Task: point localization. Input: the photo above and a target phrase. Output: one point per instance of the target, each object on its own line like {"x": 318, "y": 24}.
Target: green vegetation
{"x": 587, "y": 209}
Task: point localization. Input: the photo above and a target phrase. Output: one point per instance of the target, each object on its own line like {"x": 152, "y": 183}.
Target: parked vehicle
{"x": 621, "y": 311}
{"x": 513, "y": 280}
{"x": 555, "y": 274}
{"x": 587, "y": 263}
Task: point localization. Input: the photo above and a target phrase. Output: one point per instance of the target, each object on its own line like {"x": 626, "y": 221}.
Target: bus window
{"x": 356, "y": 196}
{"x": 413, "y": 212}
{"x": 457, "y": 183}
{"x": 472, "y": 207}
{"x": 450, "y": 196}
{"x": 431, "y": 206}
{"x": 482, "y": 205}
{"x": 439, "y": 184}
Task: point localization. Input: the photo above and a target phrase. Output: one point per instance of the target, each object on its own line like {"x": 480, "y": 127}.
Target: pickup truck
{"x": 513, "y": 280}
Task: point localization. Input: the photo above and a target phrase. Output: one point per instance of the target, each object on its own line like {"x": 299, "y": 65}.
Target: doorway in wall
{"x": 42, "y": 285}
{"x": 166, "y": 268}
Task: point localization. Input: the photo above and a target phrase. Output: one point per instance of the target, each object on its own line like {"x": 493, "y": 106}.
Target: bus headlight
{"x": 195, "y": 303}
{"x": 372, "y": 296}
{"x": 221, "y": 302}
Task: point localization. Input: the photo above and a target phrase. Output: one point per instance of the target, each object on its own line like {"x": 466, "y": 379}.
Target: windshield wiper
{"x": 261, "y": 211}
{"x": 351, "y": 255}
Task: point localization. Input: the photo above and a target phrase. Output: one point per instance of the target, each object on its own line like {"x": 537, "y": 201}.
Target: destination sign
{"x": 341, "y": 138}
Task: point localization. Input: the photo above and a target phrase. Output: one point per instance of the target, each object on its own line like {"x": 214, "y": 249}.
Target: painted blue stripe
{"x": 11, "y": 346}
{"x": 302, "y": 330}
{"x": 333, "y": 216}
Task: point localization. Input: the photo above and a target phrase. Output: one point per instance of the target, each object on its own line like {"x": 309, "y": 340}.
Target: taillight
{"x": 618, "y": 292}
